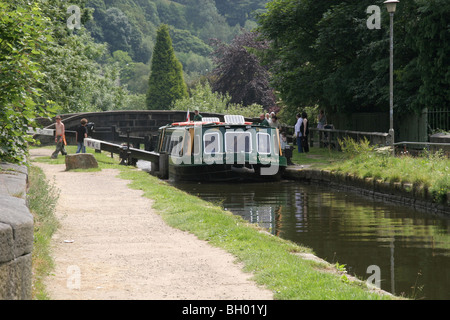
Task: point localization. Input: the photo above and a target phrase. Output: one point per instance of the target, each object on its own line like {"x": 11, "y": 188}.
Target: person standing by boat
{"x": 298, "y": 133}
{"x": 60, "y": 138}
{"x": 275, "y": 123}
{"x": 268, "y": 119}
{"x": 321, "y": 120}
{"x": 197, "y": 116}
{"x": 286, "y": 148}
{"x": 304, "y": 129}
{"x": 263, "y": 121}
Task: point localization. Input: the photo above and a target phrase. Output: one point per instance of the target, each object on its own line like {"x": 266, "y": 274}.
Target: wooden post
{"x": 163, "y": 166}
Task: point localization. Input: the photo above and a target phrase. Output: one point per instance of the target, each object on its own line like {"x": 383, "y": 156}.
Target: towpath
{"x": 111, "y": 244}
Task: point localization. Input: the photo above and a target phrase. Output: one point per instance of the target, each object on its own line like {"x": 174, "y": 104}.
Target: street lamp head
{"x": 391, "y": 5}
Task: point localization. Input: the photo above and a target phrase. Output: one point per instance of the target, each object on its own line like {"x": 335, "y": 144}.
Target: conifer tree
{"x": 166, "y": 83}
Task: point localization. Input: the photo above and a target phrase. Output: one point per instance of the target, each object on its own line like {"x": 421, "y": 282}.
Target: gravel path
{"x": 112, "y": 245}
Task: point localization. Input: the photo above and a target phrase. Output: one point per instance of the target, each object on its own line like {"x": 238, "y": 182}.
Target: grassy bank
{"x": 430, "y": 170}
{"x": 274, "y": 262}
{"x": 42, "y": 197}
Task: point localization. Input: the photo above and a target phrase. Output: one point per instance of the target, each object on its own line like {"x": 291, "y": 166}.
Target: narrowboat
{"x": 230, "y": 150}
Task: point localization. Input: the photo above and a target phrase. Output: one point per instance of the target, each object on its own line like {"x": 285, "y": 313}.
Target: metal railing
{"x": 410, "y": 147}
{"x": 330, "y": 137}
{"x": 439, "y": 119}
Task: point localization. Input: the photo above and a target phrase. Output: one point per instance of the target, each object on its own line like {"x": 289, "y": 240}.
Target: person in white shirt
{"x": 298, "y": 133}
{"x": 269, "y": 120}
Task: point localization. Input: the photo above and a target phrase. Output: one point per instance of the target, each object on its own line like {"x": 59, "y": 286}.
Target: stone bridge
{"x": 138, "y": 123}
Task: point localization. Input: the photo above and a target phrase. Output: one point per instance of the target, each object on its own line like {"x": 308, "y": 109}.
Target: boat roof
{"x": 230, "y": 120}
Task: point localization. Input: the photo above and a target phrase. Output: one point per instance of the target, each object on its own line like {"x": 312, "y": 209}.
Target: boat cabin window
{"x": 166, "y": 142}
{"x": 170, "y": 142}
{"x": 238, "y": 141}
{"x": 176, "y": 144}
{"x": 211, "y": 143}
{"x": 263, "y": 143}
{"x": 197, "y": 144}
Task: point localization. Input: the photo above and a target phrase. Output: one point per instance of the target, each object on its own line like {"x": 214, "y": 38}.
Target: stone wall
{"x": 16, "y": 234}
{"x": 405, "y": 194}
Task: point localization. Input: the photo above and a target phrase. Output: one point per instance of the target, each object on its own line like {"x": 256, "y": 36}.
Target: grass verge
{"x": 430, "y": 170}
{"x": 42, "y": 198}
{"x": 317, "y": 157}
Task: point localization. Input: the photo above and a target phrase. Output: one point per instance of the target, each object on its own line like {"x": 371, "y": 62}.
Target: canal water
{"x": 409, "y": 250}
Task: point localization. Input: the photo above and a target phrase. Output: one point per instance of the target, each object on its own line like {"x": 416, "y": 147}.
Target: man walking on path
{"x": 81, "y": 134}
{"x": 60, "y": 141}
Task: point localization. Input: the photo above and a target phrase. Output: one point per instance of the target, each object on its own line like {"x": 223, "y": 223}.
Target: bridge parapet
{"x": 137, "y": 123}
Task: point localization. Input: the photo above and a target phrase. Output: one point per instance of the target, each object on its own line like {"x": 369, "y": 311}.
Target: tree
{"x": 428, "y": 36}
{"x": 238, "y": 11}
{"x": 240, "y": 73}
{"x": 207, "y": 22}
{"x": 322, "y": 53}
{"x": 24, "y": 32}
{"x": 204, "y": 99}
{"x": 166, "y": 83}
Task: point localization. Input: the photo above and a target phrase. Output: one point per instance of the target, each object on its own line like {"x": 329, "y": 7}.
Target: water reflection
{"x": 412, "y": 249}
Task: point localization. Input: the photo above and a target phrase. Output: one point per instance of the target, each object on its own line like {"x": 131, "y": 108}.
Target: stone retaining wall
{"x": 16, "y": 234}
{"x": 405, "y": 194}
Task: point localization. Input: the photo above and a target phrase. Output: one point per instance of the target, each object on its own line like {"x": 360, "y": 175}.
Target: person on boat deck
{"x": 268, "y": 118}
{"x": 275, "y": 123}
{"x": 197, "y": 116}
{"x": 263, "y": 121}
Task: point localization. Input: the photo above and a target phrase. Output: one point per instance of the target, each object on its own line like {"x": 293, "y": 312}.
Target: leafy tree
{"x": 207, "y": 22}
{"x": 185, "y": 41}
{"x": 72, "y": 76}
{"x": 74, "y": 79}
{"x": 240, "y": 73}
{"x": 24, "y": 32}
{"x": 166, "y": 82}
{"x": 204, "y": 99}
{"x": 239, "y": 11}
{"x": 194, "y": 63}
{"x": 118, "y": 32}
{"x": 428, "y": 35}
{"x": 322, "y": 53}
{"x": 171, "y": 13}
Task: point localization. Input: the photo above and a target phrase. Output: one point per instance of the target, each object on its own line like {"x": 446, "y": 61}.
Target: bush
{"x": 24, "y": 33}
{"x": 353, "y": 148}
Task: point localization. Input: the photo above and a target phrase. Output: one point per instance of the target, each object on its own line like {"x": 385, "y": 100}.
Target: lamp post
{"x": 391, "y": 6}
